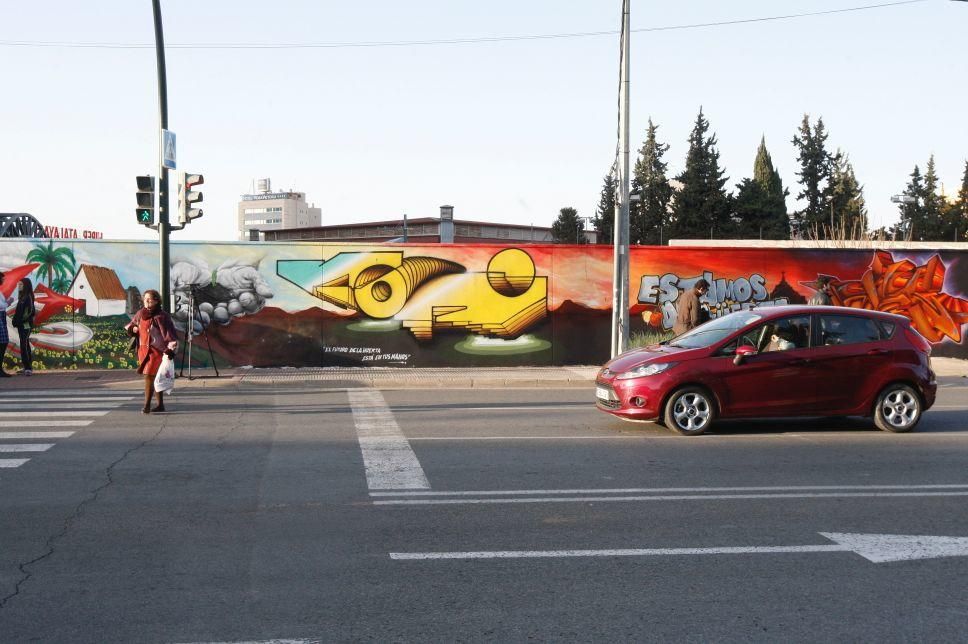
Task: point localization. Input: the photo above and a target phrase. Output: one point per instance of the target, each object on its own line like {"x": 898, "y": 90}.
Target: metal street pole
{"x": 163, "y": 227}
{"x": 620, "y": 272}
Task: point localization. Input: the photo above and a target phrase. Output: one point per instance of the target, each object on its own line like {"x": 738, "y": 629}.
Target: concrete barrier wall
{"x": 302, "y": 305}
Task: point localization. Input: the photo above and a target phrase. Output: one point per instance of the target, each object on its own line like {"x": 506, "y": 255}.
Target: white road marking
{"x": 31, "y": 404}
{"x": 33, "y": 435}
{"x": 48, "y": 414}
{"x": 877, "y": 548}
{"x": 675, "y": 497}
{"x": 587, "y": 406}
{"x": 265, "y": 642}
{"x": 666, "y": 490}
{"x": 387, "y": 456}
{"x": 26, "y": 447}
{"x": 36, "y": 393}
{"x": 12, "y": 462}
{"x": 9, "y": 400}
{"x": 45, "y": 423}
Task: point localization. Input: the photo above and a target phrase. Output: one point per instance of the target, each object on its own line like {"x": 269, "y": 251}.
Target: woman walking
{"x": 23, "y": 321}
{"x": 4, "y": 338}
{"x": 156, "y": 338}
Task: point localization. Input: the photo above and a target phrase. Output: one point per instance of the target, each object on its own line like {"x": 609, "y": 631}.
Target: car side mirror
{"x": 742, "y": 352}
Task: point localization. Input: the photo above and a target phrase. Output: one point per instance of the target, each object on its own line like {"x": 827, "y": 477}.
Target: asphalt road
{"x": 253, "y": 513}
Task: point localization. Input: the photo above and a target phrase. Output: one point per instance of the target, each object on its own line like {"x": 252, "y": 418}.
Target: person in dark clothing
{"x": 688, "y": 309}
{"x": 4, "y": 338}
{"x": 23, "y": 321}
{"x": 821, "y": 296}
{"x": 156, "y": 338}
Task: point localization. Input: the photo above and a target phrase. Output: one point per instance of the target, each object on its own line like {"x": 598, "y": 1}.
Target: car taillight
{"x": 918, "y": 340}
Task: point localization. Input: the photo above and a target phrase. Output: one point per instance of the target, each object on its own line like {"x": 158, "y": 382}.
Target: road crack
{"x": 75, "y": 514}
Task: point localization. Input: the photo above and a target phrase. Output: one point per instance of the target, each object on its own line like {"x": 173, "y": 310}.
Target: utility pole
{"x": 620, "y": 272}
{"x": 163, "y": 211}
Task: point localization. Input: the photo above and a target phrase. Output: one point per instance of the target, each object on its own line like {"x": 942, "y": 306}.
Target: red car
{"x": 776, "y": 361}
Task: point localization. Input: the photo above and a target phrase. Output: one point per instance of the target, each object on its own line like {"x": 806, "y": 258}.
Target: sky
{"x": 508, "y": 130}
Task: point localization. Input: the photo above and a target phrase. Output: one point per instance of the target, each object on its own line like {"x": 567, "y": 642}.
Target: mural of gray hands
{"x": 234, "y": 289}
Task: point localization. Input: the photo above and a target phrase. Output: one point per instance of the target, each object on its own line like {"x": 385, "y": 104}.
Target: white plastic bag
{"x": 165, "y": 378}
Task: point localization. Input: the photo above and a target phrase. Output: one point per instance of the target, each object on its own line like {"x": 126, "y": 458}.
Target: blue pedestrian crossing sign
{"x": 168, "y": 149}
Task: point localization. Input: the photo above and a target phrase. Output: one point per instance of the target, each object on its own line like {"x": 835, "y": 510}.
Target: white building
{"x": 100, "y": 289}
{"x": 267, "y": 210}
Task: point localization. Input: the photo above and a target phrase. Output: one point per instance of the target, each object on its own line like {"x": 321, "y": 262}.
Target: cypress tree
{"x": 815, "y": 163}
{"x": 760, "y": 204}
{"x": 605, "y": 213}
{"x": 933, "y": 205}
{"x": 649, "y": 216}
{"x": 846, "y": 200}
{"x": 910, "y": 225}
{"x": 568, "y": 228}
{"x": 702, "y": 208}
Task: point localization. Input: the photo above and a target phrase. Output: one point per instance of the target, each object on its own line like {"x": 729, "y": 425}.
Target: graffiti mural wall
{"x": 312, "y": 305}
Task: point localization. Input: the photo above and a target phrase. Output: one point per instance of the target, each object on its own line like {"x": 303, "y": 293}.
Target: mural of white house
{"x": 100, "y": 289}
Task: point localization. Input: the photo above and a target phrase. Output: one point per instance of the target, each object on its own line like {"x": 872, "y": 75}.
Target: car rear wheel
{"x": 689, "y": 411}
{"x": 898, "y": 409}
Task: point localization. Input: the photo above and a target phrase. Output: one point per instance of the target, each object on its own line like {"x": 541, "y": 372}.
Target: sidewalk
{"x": 341, "y": 377}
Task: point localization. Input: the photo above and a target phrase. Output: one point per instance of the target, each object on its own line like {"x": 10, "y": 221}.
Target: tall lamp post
{"x": 620, "y": 269}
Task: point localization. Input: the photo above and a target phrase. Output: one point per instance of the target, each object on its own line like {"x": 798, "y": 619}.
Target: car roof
{"x": 807, "y": 309}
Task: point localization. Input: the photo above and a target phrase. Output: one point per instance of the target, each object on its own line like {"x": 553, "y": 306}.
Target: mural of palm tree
{"x": 57, "y": 265}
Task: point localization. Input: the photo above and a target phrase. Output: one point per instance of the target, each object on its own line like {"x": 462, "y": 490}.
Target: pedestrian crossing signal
{"x": 145, "y": 212}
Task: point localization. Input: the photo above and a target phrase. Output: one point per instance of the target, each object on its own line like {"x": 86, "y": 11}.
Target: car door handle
{"x": 800, "y": 361}
{"x": 877, "y": 352}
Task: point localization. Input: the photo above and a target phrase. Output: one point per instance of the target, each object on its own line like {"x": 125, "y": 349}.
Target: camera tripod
{"x": 193, "y": 315}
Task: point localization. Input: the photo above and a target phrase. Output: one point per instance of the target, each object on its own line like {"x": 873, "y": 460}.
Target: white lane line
{"x": 590, "y": 406}
{"x": 675, "y": 497}
{"x": 387, "y": 456}
{"x": 16, "y": 436}
{"x": 680, "y": 490}
{"x": 31, "y": 405}
{"x": 48, "y": 414}
{"x": 9, "y": 400}
{"x": 35, "y": 393}
{"x": 26, "y": 447}
{"x": 623, "y": 552}
{"x": 12, "y": 462}
{"x": 45, "y": 423}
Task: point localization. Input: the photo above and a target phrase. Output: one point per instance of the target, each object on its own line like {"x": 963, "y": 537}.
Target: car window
{"x": 887, "y": 329}
{"x": 715, "y": 330}
{"x": 847, "y": 329}
{"x": 781, "y": 334}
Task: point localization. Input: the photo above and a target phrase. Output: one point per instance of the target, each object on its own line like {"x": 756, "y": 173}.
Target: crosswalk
{"x": 31, "y": 420}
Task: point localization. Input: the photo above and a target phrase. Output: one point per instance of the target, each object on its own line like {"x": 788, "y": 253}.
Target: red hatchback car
{"x": 773, "y": 362}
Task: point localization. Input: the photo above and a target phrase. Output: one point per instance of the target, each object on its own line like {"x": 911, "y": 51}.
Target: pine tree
{"x": 933, "y": 205}
{"x": 702, "y": 207}
{"x": 649, "y": 215}
{"x": 955, "y": 213}
{"x": 848, "y": 211}
{"x": 568, "y": 228}
{"x": 960, "y": 215}
{"x": 814, "y": 174}
{"x": 910, "y": 225}
{"x": 605, "y": 213}
{"x": 760, "y": 204}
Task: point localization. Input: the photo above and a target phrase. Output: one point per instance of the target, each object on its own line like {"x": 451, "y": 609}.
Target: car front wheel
{"x": 898, "y": 409}
{"x": 689, "y": 411}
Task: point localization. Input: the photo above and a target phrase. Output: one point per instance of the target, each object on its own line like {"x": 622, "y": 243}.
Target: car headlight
{"x": 645, "y": 370}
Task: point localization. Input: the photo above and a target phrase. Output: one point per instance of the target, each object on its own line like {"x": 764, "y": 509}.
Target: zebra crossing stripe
{"x": 45, "y": 423}
{"x": 49, "y": 414}
{"x": 12, "y": 462}
{"x": 33, "y": 435}
{"x": 26, "y": 447}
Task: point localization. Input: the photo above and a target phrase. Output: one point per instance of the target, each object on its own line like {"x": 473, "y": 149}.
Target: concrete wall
{"x": 312, "y": 304}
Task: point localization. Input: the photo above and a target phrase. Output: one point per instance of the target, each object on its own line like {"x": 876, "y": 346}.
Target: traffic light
{"x": 145, "y": 212}
{"x": 188, "y": 197}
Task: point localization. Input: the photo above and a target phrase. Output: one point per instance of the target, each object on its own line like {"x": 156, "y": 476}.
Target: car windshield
{"x": 715, "y": 330}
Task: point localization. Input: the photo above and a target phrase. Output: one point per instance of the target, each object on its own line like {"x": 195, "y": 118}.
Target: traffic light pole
{"x": 163, "y": 211}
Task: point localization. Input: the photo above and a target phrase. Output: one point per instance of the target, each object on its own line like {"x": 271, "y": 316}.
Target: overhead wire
{"x": 446, "y": 41}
